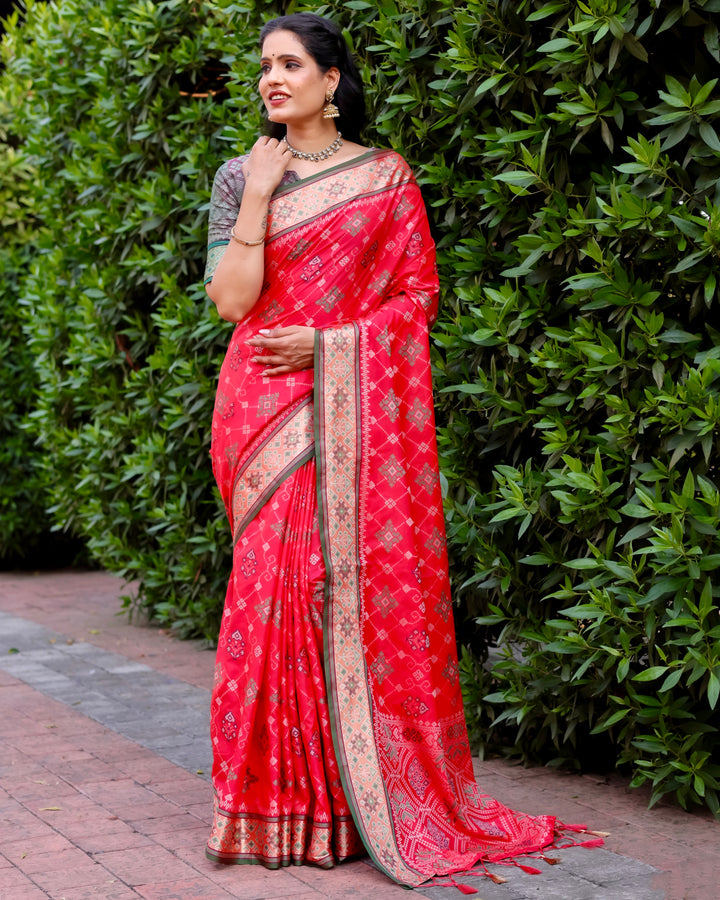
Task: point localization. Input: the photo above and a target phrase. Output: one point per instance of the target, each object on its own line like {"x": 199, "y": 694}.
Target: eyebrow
{"x": 283, "y": 56}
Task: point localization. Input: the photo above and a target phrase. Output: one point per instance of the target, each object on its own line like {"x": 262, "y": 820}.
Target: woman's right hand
{"x": 266, "y": 165}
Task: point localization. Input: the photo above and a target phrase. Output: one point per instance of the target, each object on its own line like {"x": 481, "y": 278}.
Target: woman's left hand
{"x": 284, "y": 350}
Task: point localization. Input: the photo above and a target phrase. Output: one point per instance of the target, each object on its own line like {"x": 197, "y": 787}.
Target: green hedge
{"x": 570, "y": 157}
{"x": 579, "y": 371}
{"x": 123, "y": 123}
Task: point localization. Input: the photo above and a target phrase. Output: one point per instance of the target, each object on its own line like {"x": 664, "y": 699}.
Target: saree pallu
{"x": 337, "y": 717}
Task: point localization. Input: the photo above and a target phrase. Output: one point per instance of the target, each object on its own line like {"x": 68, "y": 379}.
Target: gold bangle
{"x": 245, "y": 243}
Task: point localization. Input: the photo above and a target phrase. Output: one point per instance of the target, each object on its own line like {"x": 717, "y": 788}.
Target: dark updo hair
{"x": 324, "y": 41}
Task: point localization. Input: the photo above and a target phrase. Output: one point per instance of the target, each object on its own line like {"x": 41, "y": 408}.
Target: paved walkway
{"x": 104, "y": 788}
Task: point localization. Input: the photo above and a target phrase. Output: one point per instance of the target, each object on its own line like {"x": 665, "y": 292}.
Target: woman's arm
{"x": 238, "y": 278}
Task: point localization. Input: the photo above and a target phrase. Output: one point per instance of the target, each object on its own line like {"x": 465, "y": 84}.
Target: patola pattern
{"x": 337, "y": 687}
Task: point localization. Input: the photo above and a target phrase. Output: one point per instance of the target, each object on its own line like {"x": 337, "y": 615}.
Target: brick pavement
{"x": 104, "y": 790}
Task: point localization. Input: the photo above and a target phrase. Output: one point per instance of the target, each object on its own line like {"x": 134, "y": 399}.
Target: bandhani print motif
{"x": 337, "y": 719}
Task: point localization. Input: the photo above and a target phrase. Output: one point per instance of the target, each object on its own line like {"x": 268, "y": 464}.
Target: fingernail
{"x": 264, "y": 331}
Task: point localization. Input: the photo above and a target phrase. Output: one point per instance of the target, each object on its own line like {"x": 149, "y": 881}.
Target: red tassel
{"x": 463, "y": 888}
{"x": 529, "y": 869}
{"x": 576, "y": 828}
{"x": 597, "y": 842}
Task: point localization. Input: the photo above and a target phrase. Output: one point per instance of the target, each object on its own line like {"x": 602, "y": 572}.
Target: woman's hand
{"x": 266, "y": 165}
{"x": 284, "y": 350}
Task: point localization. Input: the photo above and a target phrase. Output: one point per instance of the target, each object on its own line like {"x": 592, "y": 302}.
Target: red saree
{"x": 337, "y": 718}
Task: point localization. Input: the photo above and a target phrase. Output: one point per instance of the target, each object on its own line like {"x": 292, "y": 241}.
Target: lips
{"x": 277, "y": 97}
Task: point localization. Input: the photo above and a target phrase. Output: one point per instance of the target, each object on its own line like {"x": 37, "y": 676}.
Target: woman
{"x": 337, "y": 720}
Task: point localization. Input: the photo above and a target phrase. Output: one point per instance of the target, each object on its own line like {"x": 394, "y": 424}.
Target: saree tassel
{"x": 480, "y": 870}
{"x": 578, "y": 829}
{"x": 596, "y": 842}
{"x": 483, "y": 870}
{"x": 531, "y": 870}
{"x": 463, "y": 888}
{"x": 569, "y": 842}
{"x": 496, "y": 879}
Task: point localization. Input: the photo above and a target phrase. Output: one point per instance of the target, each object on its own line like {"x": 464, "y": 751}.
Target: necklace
{"x": 321, "y": 154}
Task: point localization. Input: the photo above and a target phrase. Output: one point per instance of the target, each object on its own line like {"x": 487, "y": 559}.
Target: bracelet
{"x": 245, "y": 243}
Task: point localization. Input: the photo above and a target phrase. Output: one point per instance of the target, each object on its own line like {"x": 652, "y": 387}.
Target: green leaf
{"x": 556, "y": 44}
{"x": 672, "y": 679}
{"x": 536, "y": 559}
{"x": 713, "y": 691}
{"x": 520, "y": 178}
{"x": 650, "y": 674}
{"x": 677, "y": 336}
{"x": 709, "y": 135}
{"x": 582, "y": 563}
{"x": 689, "y": 261}
{"x": 709, "y": 288}
{"x": 582, "y": 611}
{"x": 606, "y": 724}
{"x": 633, "y": 46}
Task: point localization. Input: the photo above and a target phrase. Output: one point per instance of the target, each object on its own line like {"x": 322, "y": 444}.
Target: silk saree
{"x": 337, "y": 718}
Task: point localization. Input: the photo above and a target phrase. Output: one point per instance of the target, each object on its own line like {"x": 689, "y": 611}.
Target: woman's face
{"x": 292, "y": 86}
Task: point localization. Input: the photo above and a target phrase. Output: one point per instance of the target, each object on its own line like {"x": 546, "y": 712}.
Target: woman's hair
{"x": 324, "y": 41}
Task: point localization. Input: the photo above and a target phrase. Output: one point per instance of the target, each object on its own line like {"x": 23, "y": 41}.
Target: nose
{"x": 273, "y": 74}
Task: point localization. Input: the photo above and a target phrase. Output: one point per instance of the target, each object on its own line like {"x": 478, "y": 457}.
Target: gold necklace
{"x": 321, "y": 154}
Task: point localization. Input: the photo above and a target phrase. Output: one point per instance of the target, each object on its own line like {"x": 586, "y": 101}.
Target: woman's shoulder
{"x": 391, "y": 164}
{"x": 372, "y": 151}
{"x": 231, "y": 170}
{"x": 230, "y": 175}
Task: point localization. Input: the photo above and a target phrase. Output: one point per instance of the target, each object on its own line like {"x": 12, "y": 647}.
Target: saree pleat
{"x": 279, "y": 798}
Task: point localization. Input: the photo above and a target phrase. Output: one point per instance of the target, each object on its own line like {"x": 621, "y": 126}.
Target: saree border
{"x": 356, "y": 161}
{"x": 337, "y": 436}
{"x": 345, "y": 203}
{"x": 378, "y": 171}
{"x": 255, "y": 836}
{"x": 281, "y": 448}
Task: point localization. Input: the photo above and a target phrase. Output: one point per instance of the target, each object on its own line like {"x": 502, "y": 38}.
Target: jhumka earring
{"x": 330, "y": 111}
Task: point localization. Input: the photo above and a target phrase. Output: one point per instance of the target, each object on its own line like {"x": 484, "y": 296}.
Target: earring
{"x": 330, "y": 111}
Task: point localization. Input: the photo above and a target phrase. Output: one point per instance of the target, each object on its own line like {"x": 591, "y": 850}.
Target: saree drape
{"x": 337, "y": 718}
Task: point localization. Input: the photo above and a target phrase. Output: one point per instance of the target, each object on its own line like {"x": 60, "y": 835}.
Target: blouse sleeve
{"x": 224, "y": 206}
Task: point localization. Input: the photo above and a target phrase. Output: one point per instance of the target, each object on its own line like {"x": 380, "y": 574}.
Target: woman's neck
{"x": 311, "y": 138}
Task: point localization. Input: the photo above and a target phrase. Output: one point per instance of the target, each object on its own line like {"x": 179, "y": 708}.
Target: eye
{"x": 292, "y": 65}
{"x": 264, "y": 69}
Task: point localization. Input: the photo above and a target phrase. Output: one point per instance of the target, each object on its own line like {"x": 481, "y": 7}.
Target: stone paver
{"x": 104, "y": 791}
{"x": 155, "y": 710}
